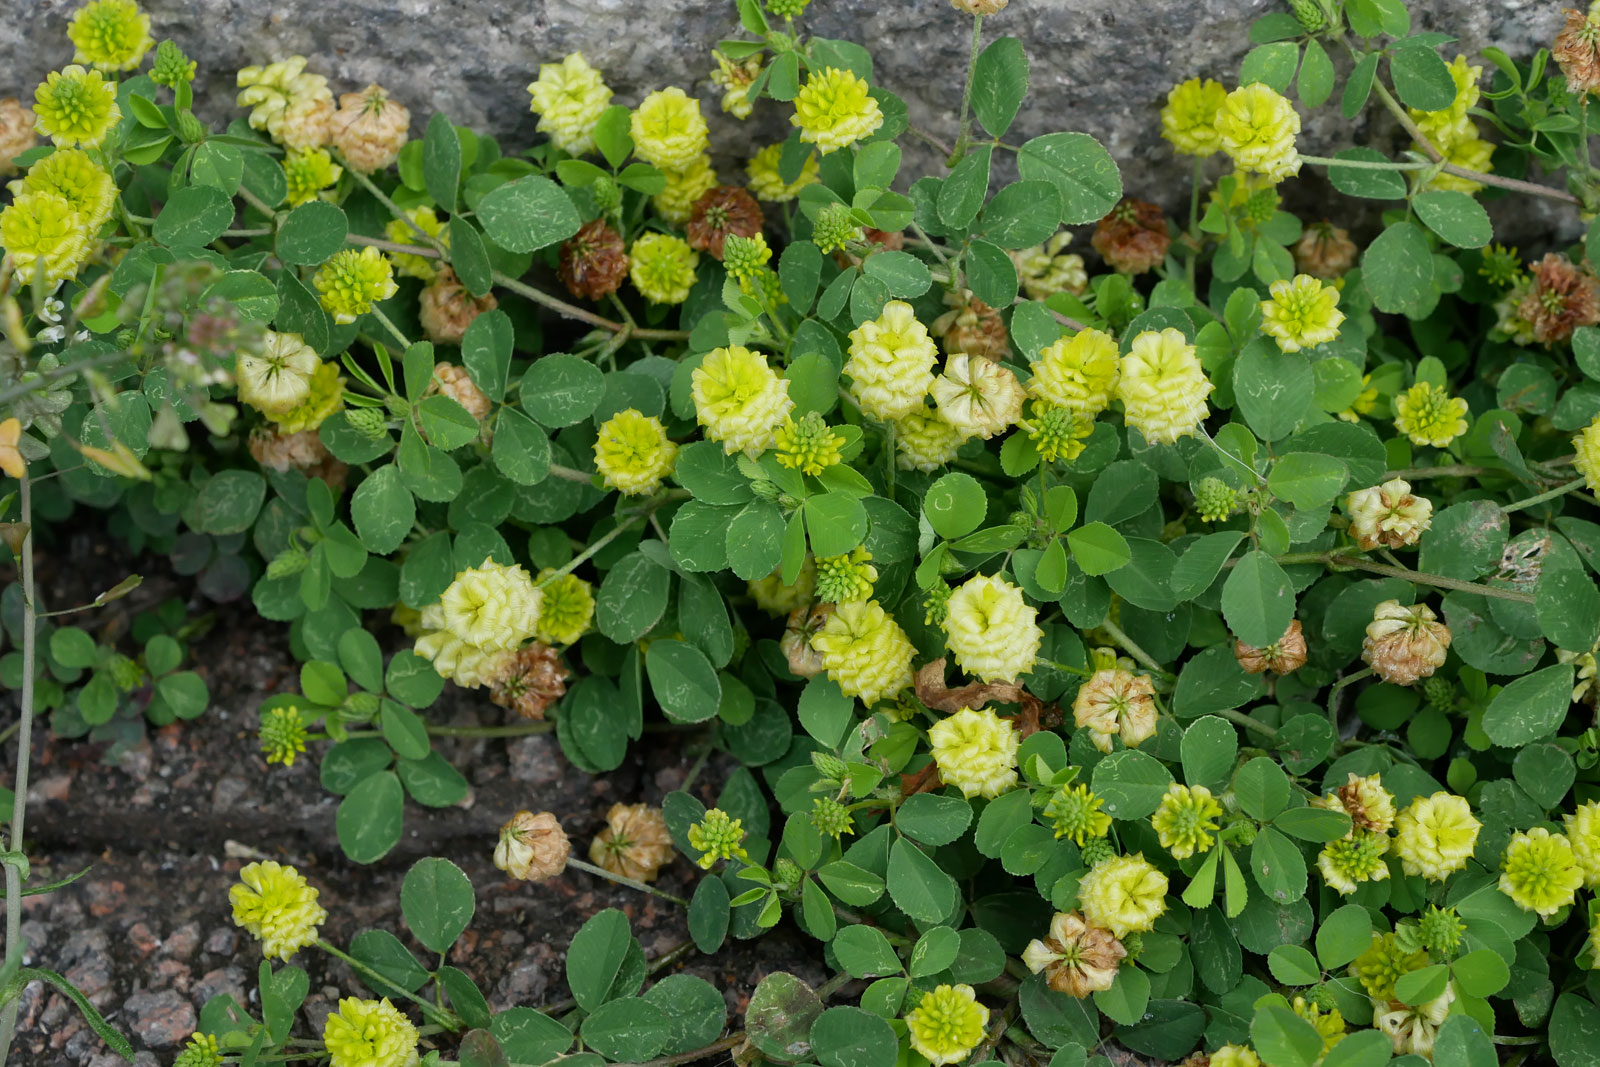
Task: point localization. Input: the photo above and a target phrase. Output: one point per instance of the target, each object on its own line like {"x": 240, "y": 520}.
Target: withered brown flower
{"x": 635, "y": 842}
{"x": 973, "y": 327}
{"x": 446, "y": 309}
{"x": 1577, "y": 52}
{"x": 1404, "y": 644}
{"x": 593, "y": 261}
{"x": 1324, "y": 251}
{"x": 1283, "y": 656}
{"x": 532, "y": 847}
{"x": 724, "y": 211}
{"x": 1076, "y": 958}
{"x": 534, "y": 679}
{"x": 1560, "y": 298}
{"x": 455, "y": 383}
{"x": 1133, "y": 238}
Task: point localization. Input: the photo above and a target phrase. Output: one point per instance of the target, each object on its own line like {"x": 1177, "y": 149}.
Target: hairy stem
{"x": 19, "y": 802}
{"x": 379, "y": 983}
{"x": 1419, "y": 577}
{"x": 601, "y": 872}
{"x": 966, "y": 94}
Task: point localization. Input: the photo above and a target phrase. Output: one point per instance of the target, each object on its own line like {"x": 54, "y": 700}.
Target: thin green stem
{"x": 1333, "y": 695}
{"x": 601, "y": 872}
{"x": 389, "y": 325}
{"x": 966, "y": 94}
{"x": 1450, "y": 470}
{"x": 1560, "y": 490}
{"x": 256, "y": 202}
{"x": 570, "y": 474}
{"x": 1129, "y": 646}
{"x": 1248, "y": 722}
{"x": 716, "y": 1047}
{"x": 587, "y": 554}
{"x": 19, "y": 802}
{"x": 379, "y": 983}
{"x": 43, "y": 380}
{"x": 392, "y": 246}
{"x": 1419, "y": 577}
{"x": 1365, "y": 164}
{"x": 572, "y": 311}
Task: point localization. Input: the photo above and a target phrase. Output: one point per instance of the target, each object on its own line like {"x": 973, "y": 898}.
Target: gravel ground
{"x": 167, "y": 823}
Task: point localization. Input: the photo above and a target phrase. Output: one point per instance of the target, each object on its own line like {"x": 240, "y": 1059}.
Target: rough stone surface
{"x": 1099, "y": 66}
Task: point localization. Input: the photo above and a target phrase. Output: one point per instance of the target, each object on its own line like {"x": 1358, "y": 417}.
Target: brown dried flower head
{"x": 455, "y": 383}
{"x": 16, "y": 132}
{"x": 1577, "y": 52}
{"x": 634, "y": 844}
{"x": 1284, "y": 656}
{"x": 303, "y": 451}
{"x": 1115, "y": 703}
{"x": 980, "y": 7}
{"x": 533, "y": 679}
{"x": 1076, "y": 958}
{"x": 1560, "y": 298}
{"x": 370, "y": 128}
{"x": 593, "y": 261}
{"x": 446, "y": 309}
{"x": 1369, "y": 805}
{"x": 1404, "y": 644}
{"x": 973, "y": 327}
{"x": 532, "y": 847}
{"x": 721, "y": 212}
{"x": 803, "y": 624}
{"x": 1389, "y": 514}
{"x": 1133, "y": 238}
{"x": 1324, "y": 251}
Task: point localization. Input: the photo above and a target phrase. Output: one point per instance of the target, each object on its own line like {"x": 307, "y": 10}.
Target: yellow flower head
{"x": 739, "y": 400}
{"x": 1075, "y": 813}
{"x": 1049, "y": 268}
{"x": 1187, "y": 820}
{"x": 834, "y": 109}
{"x": 1453, "y": 119}
{"x": 1461, "y": 145}
{"x": 662, "y": 267}
{"x": 675, "y": 202}
{"x": 865, "y": 651}
{"x": 110, "y": 34}
{"x": 847, "y": 577}
{"x": 569, "y": 97}
{"x": 891, "y": 363}
{"x": 632, "y": 452}
{"x": 369, "y": 1033}
{"x": 991, "y": 630}
{"x": 719, "y": 837}
{"x": 1540, "y": 872}
{"x": 668, "y": 130}
{"x": 44, "y": 235}
{"x": 308, "y": 173}
{"x": 283, "y": 734}
{"x": 1163, "y": 388}
{"x": 353, "y": 281}
{"x": 775, "y": 598}
{"x": 75, "y": 106}
{"x": 466, "y": 665}
{"x": 1302, "y": 313}
{"x": 77, "y": 177}
{"x": 1587, "y": 446}
{"x": 11, "y": 461}
{"x": 809, "y": 446}
{"x": 1056, "y": 432}
{"x": 490, "y": 607}
{"x": 1583, "y": 831}
{"x": 276, "y": 379}
{"x": 1329, "y": 1023}
{"x": 767, "y": 184}
{"x": 1257, "y": 126}
{"x": 325, "y": 396}
{"x": 1385, "y": 962}
{"x": 1189, "y": 119}
{"x": 925, "y": 441}
{"x": 277, "y": 907}
{"x": 419, "y": 220}
{"x": 566, "y": 605}
{"x": 977, "y": 396}
{"x": 976, "y": 751}
{"x": 294, "y": 107}
{"x": 1235, "y": 1056}
{"x": 1078, "y": 373}
{"x": 1124, "y": 894}
{"x": 1429, "y": 415}
{"x": 1353, "y": 859}
{"x": 947, "y": 1024}
{"x": 735, "y": 77}
{"x": 200, "y": 1050}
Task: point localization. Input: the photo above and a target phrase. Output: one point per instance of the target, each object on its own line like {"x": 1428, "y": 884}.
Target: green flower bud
{"x": 829, "y": 765}
{"x": 171, "y": 67}
{"x": 787, "y": 872}
{"x": 1134, "y": 943}
{"x": 369, "y": 422}
{"x": 1440, "y": 692}
{"x": 360, "y": 706}
{"x": 289, "y": 562}
{"x": 1440, "y": 932}
{"x": 1097, "y": 850}
{"x": 765, "y": 490}
{"x": 607, "y": 194}
{"x": 125, "y": 673}
{"x": 191, "y": 129}
{"x": 835, "y": 228}
{"x": 1214, "y": 499}
{"x": 831, "y": 817}
{"x": 1310, "y": 14}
